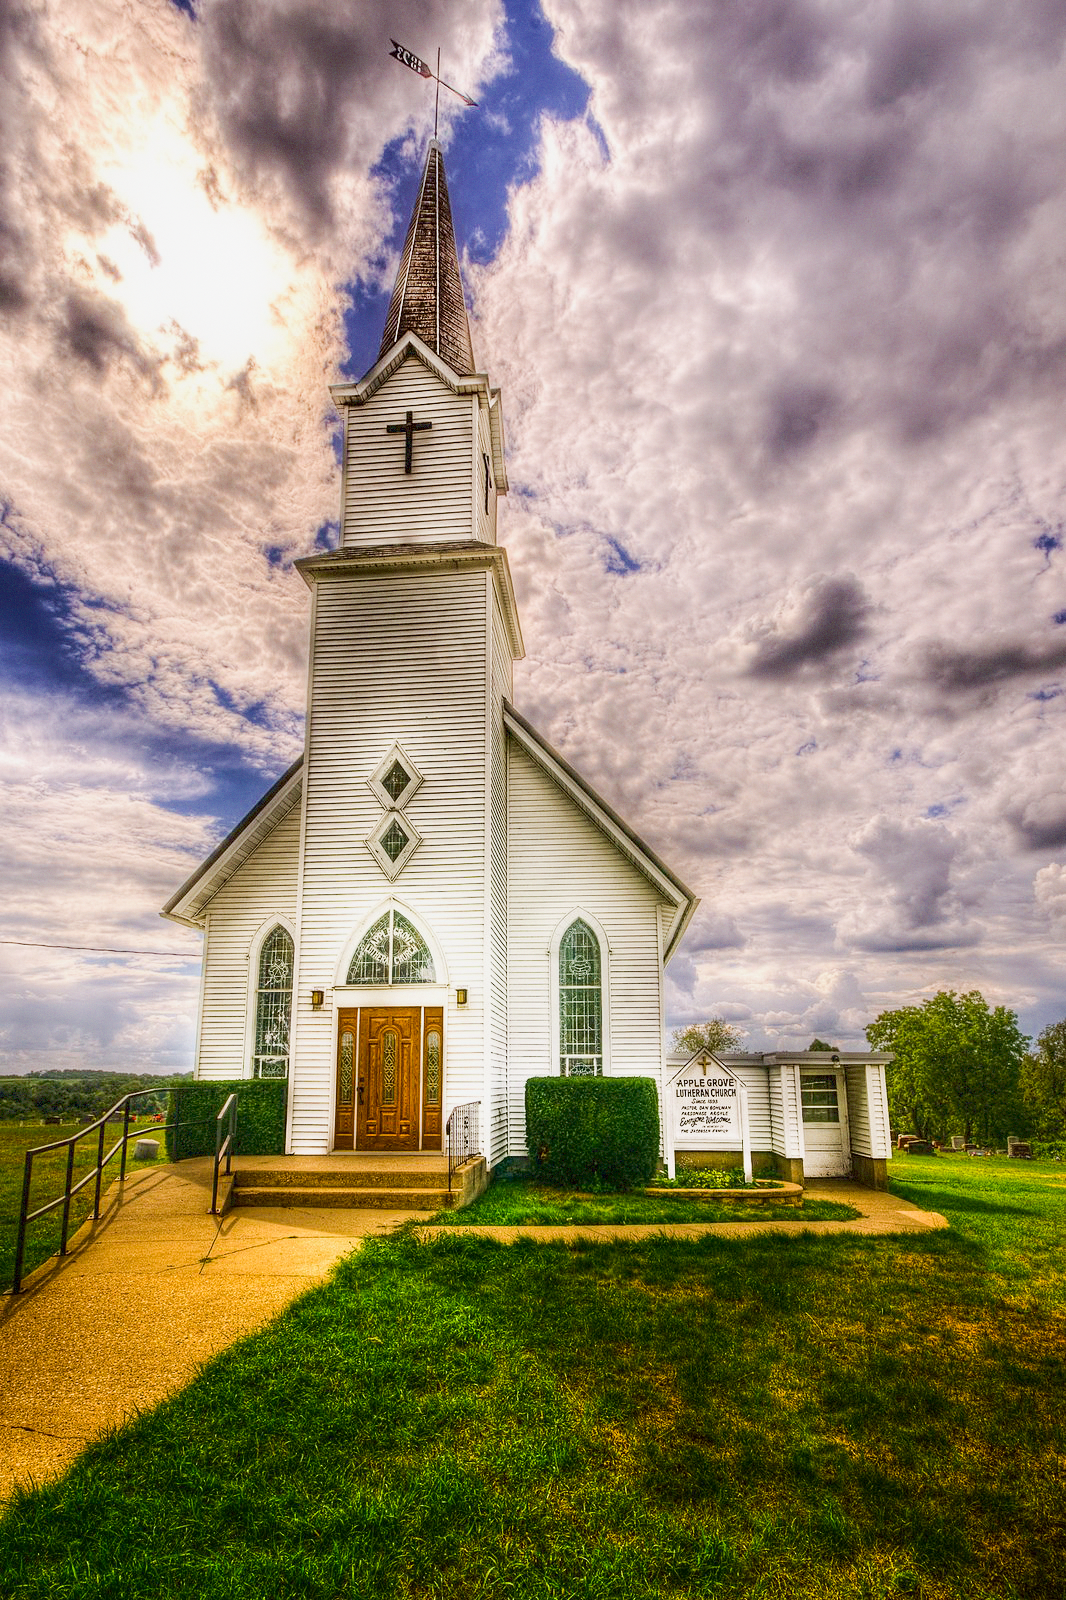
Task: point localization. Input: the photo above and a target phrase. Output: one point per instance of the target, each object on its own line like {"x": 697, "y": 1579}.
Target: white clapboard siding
{"x": 502, "y": 672}
{"x": 858, "y": 1109}
{"x": 396, "y": 657}
{"x": 383, "y": 504}
{"x": 785, "y": 1125}
{"x": 560, "y": 864}
{"x": 484, "y": 520}
{"x": 261, "y": 889}
{"x": 868, "y": 1109}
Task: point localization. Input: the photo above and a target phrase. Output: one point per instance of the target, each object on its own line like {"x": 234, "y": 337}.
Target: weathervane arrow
{"x": 416, "y": 64}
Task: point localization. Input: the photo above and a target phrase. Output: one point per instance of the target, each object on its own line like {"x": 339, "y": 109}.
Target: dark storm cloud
{"x": 832, "y": 618}
{"x": 955, "y": 671}
{"x": 798, "y": 414}
{"x": 300, "y": 90}
{"x": 1041, "y": 827}
{"x": 96, "y": 332}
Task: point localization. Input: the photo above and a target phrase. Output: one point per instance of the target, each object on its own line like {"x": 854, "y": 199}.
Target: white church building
{"x": 430, "y": 906}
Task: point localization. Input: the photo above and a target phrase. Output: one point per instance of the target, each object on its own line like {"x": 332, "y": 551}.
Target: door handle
{"x": 359, "y": 1091}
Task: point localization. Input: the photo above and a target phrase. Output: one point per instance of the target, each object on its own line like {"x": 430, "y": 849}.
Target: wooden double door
{"x": 389, "y": 1078}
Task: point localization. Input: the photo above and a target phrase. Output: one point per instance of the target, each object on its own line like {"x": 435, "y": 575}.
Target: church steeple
{"x": 428, "y": 297}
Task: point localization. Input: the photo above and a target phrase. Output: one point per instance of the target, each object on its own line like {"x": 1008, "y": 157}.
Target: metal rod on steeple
{"x": 436, "y": 96}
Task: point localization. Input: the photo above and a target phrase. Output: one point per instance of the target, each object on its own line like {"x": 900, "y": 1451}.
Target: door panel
{"x": 390, "y": 1058}
{"x": 826, "y": 1144}
{"x": 432, "y": 1076}
{"x": 347, "y": 1048}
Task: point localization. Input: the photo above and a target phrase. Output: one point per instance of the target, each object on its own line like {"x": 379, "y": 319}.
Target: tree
{"x": 820, "y": 1044}
{"x": 714, "y": 1034}
{"x": 957, "y": 1061}
{"x": 1043, "y": 1082}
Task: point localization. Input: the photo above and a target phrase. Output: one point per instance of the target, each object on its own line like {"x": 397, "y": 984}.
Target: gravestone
{"x": 958, "y": 1142}
{"x": 1020, "y": 1149}
{"x": 919, "y": 1147}
{"x": 146, "y": 1150}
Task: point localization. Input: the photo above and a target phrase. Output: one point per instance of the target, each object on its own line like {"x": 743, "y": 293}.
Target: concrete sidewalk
{"x": 146, "y": 1296}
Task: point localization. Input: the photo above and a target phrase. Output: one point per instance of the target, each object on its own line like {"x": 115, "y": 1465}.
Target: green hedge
{"x": 1049, "y": 1149}
{"x": 593, "y": 1132}
{"x": 260, "y": 1116}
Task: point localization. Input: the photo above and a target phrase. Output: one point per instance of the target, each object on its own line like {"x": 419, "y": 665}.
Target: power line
{"x": 98, "y": 949}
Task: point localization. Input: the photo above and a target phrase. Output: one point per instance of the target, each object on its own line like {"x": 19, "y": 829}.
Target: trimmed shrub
{"x": 260, "y": 1116}
{"x": 593, "y": 1132}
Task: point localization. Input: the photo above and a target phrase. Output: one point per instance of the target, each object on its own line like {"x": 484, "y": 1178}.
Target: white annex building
{"x": 430, "y": 906}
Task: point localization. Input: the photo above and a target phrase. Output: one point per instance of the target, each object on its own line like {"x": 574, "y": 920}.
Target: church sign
{"x": 706, "y": 1109}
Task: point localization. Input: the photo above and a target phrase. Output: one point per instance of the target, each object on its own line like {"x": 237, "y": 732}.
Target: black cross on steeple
{"x": 410, "y": 428}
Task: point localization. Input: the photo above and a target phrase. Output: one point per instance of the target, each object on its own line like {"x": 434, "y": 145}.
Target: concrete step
{"x": 348, "y": 1199}
{"x": 341, "y": 1177}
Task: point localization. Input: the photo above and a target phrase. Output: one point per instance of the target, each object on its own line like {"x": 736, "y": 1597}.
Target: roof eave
{"x": 187, "y": 905}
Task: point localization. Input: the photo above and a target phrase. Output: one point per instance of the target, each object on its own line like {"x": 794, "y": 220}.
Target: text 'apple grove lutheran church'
{"x": 430, "y": 906}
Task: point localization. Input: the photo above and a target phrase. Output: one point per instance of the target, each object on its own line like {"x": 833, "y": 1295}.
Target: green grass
{"x": 802, "y": 1416}
{"x": 49, "y": 1176}
{"x": 522, "y": 1202}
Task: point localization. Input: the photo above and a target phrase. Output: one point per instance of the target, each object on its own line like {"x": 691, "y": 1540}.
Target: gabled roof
{"x": 190, "y": 902}
{"x": 428, "y": 296}
{"x": 631, "y": 845}
{"x": 409, "y": 346}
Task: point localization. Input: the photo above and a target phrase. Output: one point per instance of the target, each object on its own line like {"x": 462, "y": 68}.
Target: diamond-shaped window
{"x": 393, "y": 843}
{"x": 395, "y": 780}
{"x": 394, "y": 840}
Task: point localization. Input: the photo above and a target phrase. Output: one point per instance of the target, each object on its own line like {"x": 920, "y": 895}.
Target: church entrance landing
{"x": 389, "y": 1062}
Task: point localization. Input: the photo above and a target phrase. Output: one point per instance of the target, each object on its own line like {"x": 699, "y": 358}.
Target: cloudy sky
{"x": 774, "y": 293}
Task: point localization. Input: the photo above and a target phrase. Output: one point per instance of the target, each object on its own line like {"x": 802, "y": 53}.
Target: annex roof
{"x": 428, "y": 296}
{"x": 609, "y": 822}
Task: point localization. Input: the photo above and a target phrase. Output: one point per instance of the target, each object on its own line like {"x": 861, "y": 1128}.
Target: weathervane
{"x": 416, "y": 64}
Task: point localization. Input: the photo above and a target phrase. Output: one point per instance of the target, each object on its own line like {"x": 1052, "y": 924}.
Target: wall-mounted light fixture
{"x": 317, "y": 997}
{"x": 460, "y": 997}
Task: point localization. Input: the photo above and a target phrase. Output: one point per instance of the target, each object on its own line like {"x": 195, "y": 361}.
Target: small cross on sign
{"x": 410, "y": 428}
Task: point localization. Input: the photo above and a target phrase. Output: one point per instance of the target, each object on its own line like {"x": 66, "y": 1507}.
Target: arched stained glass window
{"x": 273, "y": 1006}
{"x": 392, "y": 951}
{"x": 580, "y": 1003}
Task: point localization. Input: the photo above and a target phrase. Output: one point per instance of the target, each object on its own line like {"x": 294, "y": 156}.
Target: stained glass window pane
{"x": 393, "y": 840}
{"x": 580, "y": 1003}
{"x": 370, "y": 964}
{"x": 392, "y": 952}
{"x": 396, "y": 780}
{"x": 411, "y": 960}
{"x": 432, "y": 1067}
{"x": 347, "y": 1065}
{"x": 273, "y": 1006}
{"x": 388, "y": 1068}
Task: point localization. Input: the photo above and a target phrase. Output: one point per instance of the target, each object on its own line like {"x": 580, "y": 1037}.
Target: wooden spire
{"x": 428, "y": 297}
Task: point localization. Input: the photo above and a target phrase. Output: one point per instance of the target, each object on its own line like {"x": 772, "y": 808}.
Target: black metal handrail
{"x": 70, "y": 1188}
{"x": 463, "y": 1133}
{"x": 223, "y": 1146}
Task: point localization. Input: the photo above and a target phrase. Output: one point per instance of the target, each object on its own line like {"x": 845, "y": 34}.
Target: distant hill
{"x": 71, "y": 1093}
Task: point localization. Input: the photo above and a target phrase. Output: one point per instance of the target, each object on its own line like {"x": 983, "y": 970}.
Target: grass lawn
{"x": 49, "y": 1176}
{"x": 804, "y": 1416}
{"x": 520, "y": 1201}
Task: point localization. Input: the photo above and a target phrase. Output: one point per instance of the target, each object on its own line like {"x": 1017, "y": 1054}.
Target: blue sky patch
{"x": 619, "y": 561}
